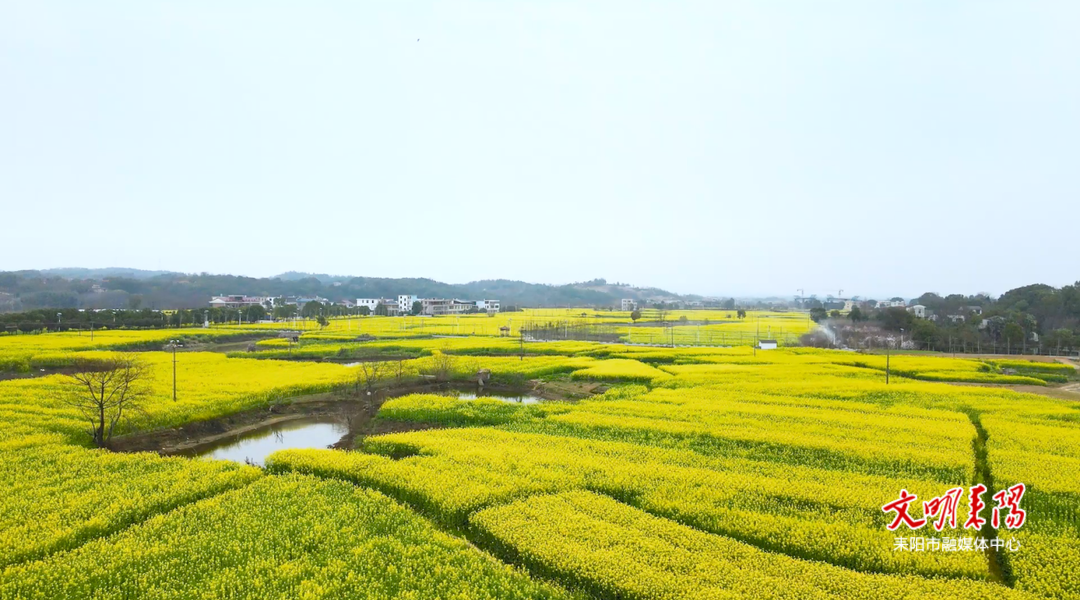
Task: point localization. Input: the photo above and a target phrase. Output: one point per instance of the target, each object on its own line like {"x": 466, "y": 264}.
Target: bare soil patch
{"x": 33, "y": 373}
{"x": 568, "y": 390}
{"x": 1068, "y": 391}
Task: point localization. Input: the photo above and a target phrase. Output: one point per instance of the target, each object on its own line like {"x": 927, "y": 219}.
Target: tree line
{"x": 30, "y": 290}
{"x": 1032, "y": 317}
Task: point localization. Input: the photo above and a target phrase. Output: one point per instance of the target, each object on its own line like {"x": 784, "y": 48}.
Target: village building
{"x": 373, "y": 303}
{"x": 240, "y": 301}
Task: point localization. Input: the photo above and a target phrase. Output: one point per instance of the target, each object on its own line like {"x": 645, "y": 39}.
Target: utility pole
{"x": 174, "y": 344}
{"x": 888, "y": 347}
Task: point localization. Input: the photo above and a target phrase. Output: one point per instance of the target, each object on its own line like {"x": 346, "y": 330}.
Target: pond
{"x": 254, "y": 446}
{"x": 315, "y": 431}
{"x": 509, "y": 397}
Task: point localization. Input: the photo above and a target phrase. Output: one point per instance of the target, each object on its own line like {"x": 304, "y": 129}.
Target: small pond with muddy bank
{"x": 254, "y": 446}
{"x": 318, "y": 421}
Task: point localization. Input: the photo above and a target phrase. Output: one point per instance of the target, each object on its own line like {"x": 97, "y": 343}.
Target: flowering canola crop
{"x": 702, "y": 472}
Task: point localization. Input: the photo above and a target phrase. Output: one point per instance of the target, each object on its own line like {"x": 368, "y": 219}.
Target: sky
{"x": 728, "y": 148}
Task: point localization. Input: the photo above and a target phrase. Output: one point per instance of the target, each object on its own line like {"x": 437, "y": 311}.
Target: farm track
{"x": 1069, "y": 391}
{"x": 996, "y": 562}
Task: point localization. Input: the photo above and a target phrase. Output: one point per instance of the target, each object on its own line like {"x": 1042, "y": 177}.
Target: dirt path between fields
{"x": 1068, "y": 391}
{"x": 994, "y": 560}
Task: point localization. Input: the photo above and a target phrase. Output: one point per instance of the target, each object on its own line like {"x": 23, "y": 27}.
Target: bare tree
{"x": 105, "y": 390}
{"x": 661, "y": 315}
{"x": 369, "y": 374}
{"x": 441, "y": 365}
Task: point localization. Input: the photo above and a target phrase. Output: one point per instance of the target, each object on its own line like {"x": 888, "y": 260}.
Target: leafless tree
{"x": 370, "y": 372}
{"x": 104, "y": 391}
{"x": 441, "y": 365}
{"x": 661, "y": 315}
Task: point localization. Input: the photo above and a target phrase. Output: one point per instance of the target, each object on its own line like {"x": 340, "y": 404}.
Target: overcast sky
{"x": 727, "y": 148}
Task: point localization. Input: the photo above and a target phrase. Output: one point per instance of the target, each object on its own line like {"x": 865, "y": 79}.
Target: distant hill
{"x": 135, "y": 288}
{"x": 81, "y": 273}
{"x": 323, "y": 277}
{"x": 625, "y": 290}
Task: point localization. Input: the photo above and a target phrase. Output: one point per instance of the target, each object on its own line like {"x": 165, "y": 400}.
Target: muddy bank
{"x": 39, "y": 372}
{"x": 188, "y": 438}
{"x": 354, "y": 409}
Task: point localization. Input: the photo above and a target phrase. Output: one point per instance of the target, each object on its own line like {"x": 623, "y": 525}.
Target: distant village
{"x": 958, "y": 314}
{"x": 404, "y": 304}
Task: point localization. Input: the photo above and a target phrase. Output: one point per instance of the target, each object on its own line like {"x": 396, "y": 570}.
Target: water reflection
{"x": 504, "y": 396}
{"x": 254, "y": 446}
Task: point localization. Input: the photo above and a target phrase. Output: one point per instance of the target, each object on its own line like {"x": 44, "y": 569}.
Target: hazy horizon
{"x": 882, "y": 294}
{"x": 714, "y": 148}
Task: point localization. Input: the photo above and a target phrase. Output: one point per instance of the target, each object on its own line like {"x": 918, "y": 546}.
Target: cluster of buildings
{"x": 630, "y": 304}
{"x": 267, "y": 302}
{"x": 404, "y": 303}
{"x": 921, "y": 312}
{"x": 242, "y": 301}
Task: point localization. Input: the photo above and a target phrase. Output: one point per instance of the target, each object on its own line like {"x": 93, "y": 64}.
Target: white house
{"x": 628, "y": 304}
{"x": 918, "y": 310}
{"x": 371, "y": 303}
{"x": 405, "y": 302}
{"x": 488, "y": 305}
{"x": 767, "y": 344}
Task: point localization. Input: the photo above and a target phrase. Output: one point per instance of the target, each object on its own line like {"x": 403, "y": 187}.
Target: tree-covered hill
{"x": 131, "y": 288}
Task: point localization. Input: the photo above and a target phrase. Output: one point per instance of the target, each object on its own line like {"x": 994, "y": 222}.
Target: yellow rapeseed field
{"x": 701, "y": 472}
